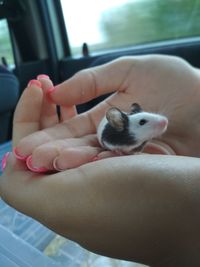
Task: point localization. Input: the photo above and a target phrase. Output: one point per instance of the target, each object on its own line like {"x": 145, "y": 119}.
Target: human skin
{"x": 142, "y": 208}
{"x": 163, "y": 84}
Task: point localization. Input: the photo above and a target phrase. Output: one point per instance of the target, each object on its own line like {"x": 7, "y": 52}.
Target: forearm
{"x": 143, "y": 208}
{"x": 149, "y": 204}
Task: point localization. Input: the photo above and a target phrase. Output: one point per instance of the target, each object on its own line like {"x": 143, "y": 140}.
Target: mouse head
{"x": 118, "y": 119}
{"x": 146, "y": 125}
{"x": 142, "y": 125}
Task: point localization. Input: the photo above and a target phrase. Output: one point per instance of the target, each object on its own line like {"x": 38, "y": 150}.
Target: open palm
{"x": 163, "y": 84}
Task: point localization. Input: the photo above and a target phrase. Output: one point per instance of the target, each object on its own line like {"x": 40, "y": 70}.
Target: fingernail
{"x": 16, "y": 153}
{"x": 4, "y": 161}
{"x": 49, "y": 92}
{"x": 35, "y": 82}
{"x": 55, "y": 165}
{"x": 95, "y": 158}
{"x": 42, "y": 76}
{"x": 34, "y": 169}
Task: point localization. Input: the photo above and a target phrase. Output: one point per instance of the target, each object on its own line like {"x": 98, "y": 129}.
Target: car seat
{"x": 9, "y": 94}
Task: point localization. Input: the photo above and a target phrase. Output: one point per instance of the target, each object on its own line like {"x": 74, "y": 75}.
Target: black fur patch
{"x": 114, "y": 137}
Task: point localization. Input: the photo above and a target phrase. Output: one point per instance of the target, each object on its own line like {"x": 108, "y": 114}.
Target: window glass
{"x": 110, "y": 24}
{"x": 5, "y": 44}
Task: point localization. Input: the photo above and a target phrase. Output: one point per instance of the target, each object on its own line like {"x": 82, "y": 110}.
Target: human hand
{"x": 34, "y": 112}
{"x": 149, "y": 203}
{"x": 159, "y": 83}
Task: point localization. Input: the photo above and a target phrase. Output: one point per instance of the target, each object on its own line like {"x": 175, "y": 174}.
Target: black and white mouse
{"x": 128, "y": 133}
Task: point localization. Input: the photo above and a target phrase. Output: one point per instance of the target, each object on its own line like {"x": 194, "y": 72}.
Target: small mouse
{"x": 127, "y": 133}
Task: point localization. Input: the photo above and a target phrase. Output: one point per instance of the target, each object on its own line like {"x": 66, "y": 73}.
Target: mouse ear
{"x": 116, "y": 118}
{"x": 135, "y": 108}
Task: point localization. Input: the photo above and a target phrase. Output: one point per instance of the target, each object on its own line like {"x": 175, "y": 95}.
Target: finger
{"x": 67, "y": 112}
{"x": 91, "y": 83}
{"x": 27, "y": 114}
{"x": 105, "y": 155}
{"x": 76, "y": 127}
{"x": 49, "y": 116}
{"x": 74, "y": 157}
{"x": 44, "y": 155}
{"x": 158, "y": 147}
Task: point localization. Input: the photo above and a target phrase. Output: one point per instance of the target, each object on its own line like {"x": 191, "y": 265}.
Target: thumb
{"x": 91, "y": 83}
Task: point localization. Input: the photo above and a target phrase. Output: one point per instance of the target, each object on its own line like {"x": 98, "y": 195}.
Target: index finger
{"x": 93, "y": 82}
{"x": 27, "y": 114}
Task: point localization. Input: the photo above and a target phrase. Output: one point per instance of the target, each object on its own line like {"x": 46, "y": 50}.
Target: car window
{"x": 113, "y": 24}
{"x": 6, "y": 52}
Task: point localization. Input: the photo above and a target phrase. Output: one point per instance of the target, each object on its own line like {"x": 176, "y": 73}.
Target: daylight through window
{"x": 113, "y": 24}
{"x": 5, "y": 44}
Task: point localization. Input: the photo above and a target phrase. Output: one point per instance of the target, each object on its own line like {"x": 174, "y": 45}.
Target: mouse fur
{"x": 129, "y": 132}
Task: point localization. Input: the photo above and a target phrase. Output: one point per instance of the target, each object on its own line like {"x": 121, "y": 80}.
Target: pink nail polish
{"x": 15, "y": 152}
{"x": 4, "y": 161}
{"x": 49, "y": 92}
{"x": 35, "y": 82}
{"x": 42, "y": 76}
{"x": 34, "y": 169}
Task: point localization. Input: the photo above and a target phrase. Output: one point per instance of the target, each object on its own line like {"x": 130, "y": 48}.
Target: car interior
{"x": 58, "y": 38}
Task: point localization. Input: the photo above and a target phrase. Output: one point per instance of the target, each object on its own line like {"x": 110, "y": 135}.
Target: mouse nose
{"x": 163, "y": 123}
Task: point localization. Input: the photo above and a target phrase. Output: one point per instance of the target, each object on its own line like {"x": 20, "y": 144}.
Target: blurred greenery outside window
{"x": 5, "y": 44}
{"x": 115, "y": 24}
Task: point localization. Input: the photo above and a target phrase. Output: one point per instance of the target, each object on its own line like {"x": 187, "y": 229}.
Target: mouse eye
{"x": 142, "y": 122}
